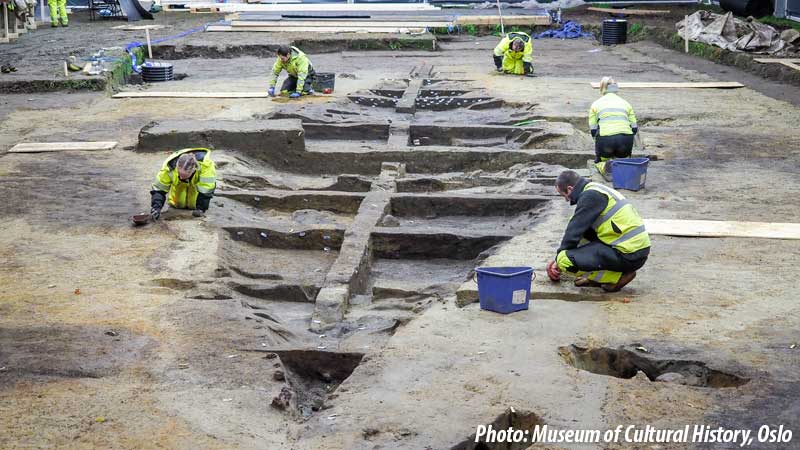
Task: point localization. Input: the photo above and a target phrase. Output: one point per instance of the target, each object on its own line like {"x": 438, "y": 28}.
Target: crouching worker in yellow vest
{"x": 605, "y": 242}
{"x": 514, "y": 54}
{"x": 613, "y": 125}
{"x": 187, "y": 180}
{"x": 300, "y": 72}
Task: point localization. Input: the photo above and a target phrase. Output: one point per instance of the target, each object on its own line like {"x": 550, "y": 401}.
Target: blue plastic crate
{"x": 504, "y": 289}
{"x": 629, "y": 173}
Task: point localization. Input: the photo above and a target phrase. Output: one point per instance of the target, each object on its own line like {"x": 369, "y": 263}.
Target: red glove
{"x": 553, "y": 271}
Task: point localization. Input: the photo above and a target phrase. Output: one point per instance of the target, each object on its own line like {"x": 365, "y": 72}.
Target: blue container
{"x": 504, "y": 289}
{"x": 629, "y": 173}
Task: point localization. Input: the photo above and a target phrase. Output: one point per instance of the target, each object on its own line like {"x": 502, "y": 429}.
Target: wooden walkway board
{"x": 37, "y": 147}
{"x": 507, "y": 20}
{"x": 717, "y": 228}
{"x": 146, "y": 94}
{"x": 794, "y": 63}
{"x": 709, "y": 85}
{"x": 632, "y": 12}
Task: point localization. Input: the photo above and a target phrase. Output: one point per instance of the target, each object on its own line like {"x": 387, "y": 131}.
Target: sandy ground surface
{"x": 101, "y": 347}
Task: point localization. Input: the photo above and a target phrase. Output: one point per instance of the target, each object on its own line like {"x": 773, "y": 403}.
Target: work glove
{"x": 155, "y": 213}
{"x": 271, "y": 91}
{"x": 553, "y": 272}
{"x": 498, "y": 63}
{"x": 530, "y": 75}
{"x": 528, "y": 68}
{"x": 594, "y": 132}
{"x": 635, "y": 129}
{"x": 198, "y": 213}
{"x": 294, "y": 95}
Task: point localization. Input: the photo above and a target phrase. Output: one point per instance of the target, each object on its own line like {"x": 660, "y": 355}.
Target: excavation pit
{"x": 313, "y": 375}
{"x": 625, "y": 363}
{"x": 543, "y": 135}
{"x": 518, "y": 420}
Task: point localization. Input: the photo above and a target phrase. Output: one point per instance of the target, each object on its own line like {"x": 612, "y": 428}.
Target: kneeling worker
{"x": 514, "y": 54}
{"x": 605, "y": 242}
{"x": 613, "y": 125}
{"x": 187, "y": 178}
{"x": 299, "y": 70}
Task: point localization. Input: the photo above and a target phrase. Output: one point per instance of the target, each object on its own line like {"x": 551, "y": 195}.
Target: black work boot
{"x": 623, "y": 280}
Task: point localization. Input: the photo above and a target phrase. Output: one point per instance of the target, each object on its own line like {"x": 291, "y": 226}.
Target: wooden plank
{"x": 244, "y": 7}
{"x": 338, "y": 23}
{"x": 154, "y": 94}
{"x": 788, "y": 62}
{"x": 317, "y": 29}
{"x": 687, "y": 85}
{"x": 631, "y": 12}
{"x": 507, "y": 20}
{"x": 776, "y": 60}
{"x": 37, "y": 147}
{"x": 718, "y": 228}
{"x": 138, "y": 27}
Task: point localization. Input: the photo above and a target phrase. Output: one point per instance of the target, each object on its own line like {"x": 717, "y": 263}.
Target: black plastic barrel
{"x": 154, "y": 72}
{"x": 745, "y": 8}
{"x": 324, "y": 80}
{"x": 615, "y": 31}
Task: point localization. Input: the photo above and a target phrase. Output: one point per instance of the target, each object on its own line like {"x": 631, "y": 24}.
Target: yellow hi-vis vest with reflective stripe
{"x": 619, "y": 225}
{"x": 612, "y": 114}
{"x": 504, "y": 47}
{"x": 183, "y": 194}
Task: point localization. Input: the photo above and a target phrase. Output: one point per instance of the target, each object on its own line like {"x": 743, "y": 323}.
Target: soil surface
{"x": 186, "y": 334}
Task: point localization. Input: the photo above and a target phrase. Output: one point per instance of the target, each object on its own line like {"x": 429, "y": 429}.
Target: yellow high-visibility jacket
{"x": 513, "y": 62}
{"x": 612, "y": 114}
{"x": 297, "y": 66}
{"x": 183, "y": 194}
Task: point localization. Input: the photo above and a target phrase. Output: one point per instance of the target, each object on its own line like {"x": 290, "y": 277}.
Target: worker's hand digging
{"x": 294, "y": 95}
{"x": 271, "y": 92}
{"x": 553, "y": 272}
{"x": 155, "y": 213}
{"x": 198, "y": 213}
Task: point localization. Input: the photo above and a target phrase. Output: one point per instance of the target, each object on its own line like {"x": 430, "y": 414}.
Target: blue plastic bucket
{"x": 504, "y": 289}
{"x": 629, "y": 173}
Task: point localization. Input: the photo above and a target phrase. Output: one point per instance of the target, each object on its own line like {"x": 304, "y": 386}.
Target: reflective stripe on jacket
{"x": 612, "y": 114}
{"x": 504, "y": 47}
{"x": 619, "y": 225}
{"x": 183, "y": 194}
{"x": 297, "y": 66}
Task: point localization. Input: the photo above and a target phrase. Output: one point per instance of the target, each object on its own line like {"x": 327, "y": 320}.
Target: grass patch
{"x": 780, "y": 23}
{"x": 635, "y": 30}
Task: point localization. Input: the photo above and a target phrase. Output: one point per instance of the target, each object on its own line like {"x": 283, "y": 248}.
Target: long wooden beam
{"x": 686, "y": 85}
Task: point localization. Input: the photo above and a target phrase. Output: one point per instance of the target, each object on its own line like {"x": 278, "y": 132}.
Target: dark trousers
{"x": 290, "y": 83}
{"x": 596, "y": 256}
{"x": 612, "y": 147}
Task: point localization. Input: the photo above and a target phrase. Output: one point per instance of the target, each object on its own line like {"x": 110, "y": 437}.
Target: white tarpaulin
{"x": 723, "y": 30}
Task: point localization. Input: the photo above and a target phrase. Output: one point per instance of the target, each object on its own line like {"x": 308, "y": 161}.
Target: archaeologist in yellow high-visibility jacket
{"x": 514, "y": 54}
{"x": 613, "y": 125}
{"x": 187, "y": 180}
{"x": 299, "y": 70}
{"x": 605, "y": 242}
{"x": 58, "y": 11}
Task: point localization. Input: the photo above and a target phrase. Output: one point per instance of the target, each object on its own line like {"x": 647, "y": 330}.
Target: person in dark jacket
{"x": 605, "y": 242}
